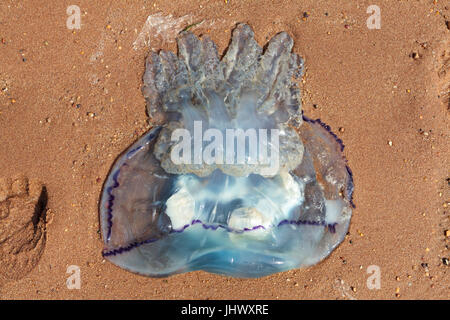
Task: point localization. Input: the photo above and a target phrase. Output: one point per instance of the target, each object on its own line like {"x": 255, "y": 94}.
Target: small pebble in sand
{"x": 390, "y": 143}
{"x": 305, "y": 14}
{"x": 445, "y": 261}
{"x": 341, "y": 129}
{"x": 414, "y": 55}
{"x": 447, "y": 233}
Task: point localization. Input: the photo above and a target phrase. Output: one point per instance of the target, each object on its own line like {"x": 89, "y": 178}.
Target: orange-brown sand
{"x": 70, "y": 103}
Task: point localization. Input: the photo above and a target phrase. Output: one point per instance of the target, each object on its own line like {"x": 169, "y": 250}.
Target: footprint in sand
{"x": 22, "y": 226}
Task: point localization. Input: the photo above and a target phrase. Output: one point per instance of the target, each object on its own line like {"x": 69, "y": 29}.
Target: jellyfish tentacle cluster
{"x": 191, "y": 195}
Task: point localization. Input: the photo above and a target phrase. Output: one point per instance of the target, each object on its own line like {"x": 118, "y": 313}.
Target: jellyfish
{"x": 232, "y": 178}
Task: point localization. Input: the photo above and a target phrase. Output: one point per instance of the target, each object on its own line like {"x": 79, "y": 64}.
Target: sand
{"x": 71, "y": 103}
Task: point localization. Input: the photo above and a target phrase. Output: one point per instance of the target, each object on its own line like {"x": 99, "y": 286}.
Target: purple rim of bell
{"x": 109, "y": 190}
{"x": 350, "y": 185}
{"x": 331, "y": 227}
